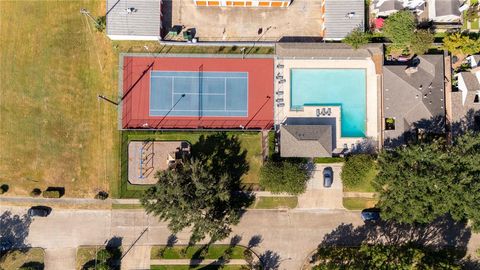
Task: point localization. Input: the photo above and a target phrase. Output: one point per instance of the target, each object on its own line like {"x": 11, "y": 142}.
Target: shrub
{"x": 102, "y": 195}
{"x": 288, "y": 176}
{"x": 101, "y": 23}
{"x": 51, "y": 194}
{"x": 35, "y": 192}
{"x": 356, "y": 168}
{"x": 357, "y": 38}
{"x": 4, "y": 188}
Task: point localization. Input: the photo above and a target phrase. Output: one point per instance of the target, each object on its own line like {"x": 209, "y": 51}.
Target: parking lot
{"x": 302, "y": 19}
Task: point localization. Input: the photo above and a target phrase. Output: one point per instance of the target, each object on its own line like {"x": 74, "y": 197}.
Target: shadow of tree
{"x": 255, "y": 241}
{"x": 269, "y": 260}
{"x": 424, "y": 130}
{"x": 443, "y": 232}
{"x": 471, "y": 121}
{"x": 223, "y": 154}
{"x": 109, "y": 257}
{"x": 33, "y": 266}
{"x": 13, "y": 231}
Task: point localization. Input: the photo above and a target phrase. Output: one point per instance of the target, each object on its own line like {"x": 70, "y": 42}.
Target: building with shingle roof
{"x": 413, "y": 98}
{"x": 134, "y": 19}
{"x": 306, "y": 141}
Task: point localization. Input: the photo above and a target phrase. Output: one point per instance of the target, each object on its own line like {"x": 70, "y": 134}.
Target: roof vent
{"x": 411, "y": 70}
{"x": 350, "y": 15}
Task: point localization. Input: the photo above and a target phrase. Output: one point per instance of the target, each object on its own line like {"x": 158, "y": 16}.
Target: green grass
{"x": 358, "y": 203}
{"x": 17, "y": 258}
{"x": 120, "y": 206}
{"x": 250, "y": 141}
{"x": 328, "y": 159}
{"x": 365, "y": 185}
{"x": 275, "y": 202}
{"x": 214, "y": 252}
{"x": 86, "y": 254}
{"x": 54, "y": 130}
{"x": 204, "y": 267}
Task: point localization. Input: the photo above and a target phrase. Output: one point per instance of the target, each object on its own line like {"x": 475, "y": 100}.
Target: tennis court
{"x": 185, "y": 93}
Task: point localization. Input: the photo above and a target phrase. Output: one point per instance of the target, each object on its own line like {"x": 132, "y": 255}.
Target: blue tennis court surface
{"x": 178, "y": 93}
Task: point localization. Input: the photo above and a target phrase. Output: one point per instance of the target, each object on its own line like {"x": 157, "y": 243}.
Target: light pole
{"x": 85, "y": 12}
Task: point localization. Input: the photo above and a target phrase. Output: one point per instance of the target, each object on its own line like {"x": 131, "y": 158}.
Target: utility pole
{"x": 85, "y": 12}
{"x": 107, "y": 99}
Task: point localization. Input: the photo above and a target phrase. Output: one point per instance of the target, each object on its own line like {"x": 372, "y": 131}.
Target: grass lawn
{"x": 365, "y": 185}
{"x": 214, "y": 252}
{"x": 200, "y": 267}
{"x": 16, "y": 259}
{"x": 121, "y": 206}
{"x": 328, "y": 159}
{"x": 275, "y": 202}
{"x": 358, "y": 203}
{"x": 86, "y": 254}
{"x": 250, "y": 141}
{"x": 54, "y": 130}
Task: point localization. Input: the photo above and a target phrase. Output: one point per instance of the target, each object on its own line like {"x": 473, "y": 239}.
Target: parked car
{"x": 327, "y": 177}
{"x": 39, "y": 211}
{"x": 370, "y": 214}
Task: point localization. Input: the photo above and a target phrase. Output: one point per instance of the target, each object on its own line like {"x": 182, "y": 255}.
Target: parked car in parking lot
{"x": 327, "y": 177}
{"x": 39, "y": 211}
{"x": 370, "y": 214}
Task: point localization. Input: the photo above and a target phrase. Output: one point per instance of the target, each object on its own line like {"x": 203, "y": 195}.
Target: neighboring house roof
{"x": 388, "y": 5}
{"x": 144, "y": 21}
{"x": 342, "y": 16}
{"x": 306, "y": 140}
{"x": 471, "y": 81}
{"x": 414, "y": 99}
{"x": 447, "y": 8}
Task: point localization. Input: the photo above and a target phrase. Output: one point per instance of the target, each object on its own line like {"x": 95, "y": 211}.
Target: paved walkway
{"x": 138, "y": 257}
{"x": 60, "y": 258}
{"x": 197, "y": 262}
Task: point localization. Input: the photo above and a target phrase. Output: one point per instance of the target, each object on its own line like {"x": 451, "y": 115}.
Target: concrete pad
{"x": 302, "y": 19}
{"x": 60, "y": 258}
{"x": 138, "y": 257}
{"x": 319, "y": 197}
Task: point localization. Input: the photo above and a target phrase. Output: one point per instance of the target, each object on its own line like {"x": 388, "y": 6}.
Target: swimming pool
{"x": 333, "y": 87}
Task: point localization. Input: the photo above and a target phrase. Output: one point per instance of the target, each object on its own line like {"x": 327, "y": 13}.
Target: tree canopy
{"x": 287, "y": 175}
{"x": 399, "y": 27}
{"x": 357, "y": 38}
{"x": 421, "y": 41}
{"x": 205, "y": 193}
{"x": 383, "y": 257}
{"x": 424, "y": 181}
{"x": 356, "y": 169}
{"x": 458, "y": 43}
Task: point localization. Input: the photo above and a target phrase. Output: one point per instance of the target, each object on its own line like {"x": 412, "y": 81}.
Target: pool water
{"x": 334, "y": 87}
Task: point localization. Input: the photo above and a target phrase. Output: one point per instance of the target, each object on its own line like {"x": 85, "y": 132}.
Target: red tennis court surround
{"x": 136, "y": 92}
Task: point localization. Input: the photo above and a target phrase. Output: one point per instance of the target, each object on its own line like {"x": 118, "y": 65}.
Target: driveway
{"x": 303, "y": 18}
{"x": 319, "y": 197}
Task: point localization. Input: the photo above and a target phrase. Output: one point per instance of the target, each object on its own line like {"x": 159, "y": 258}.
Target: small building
{"x": 413, "y": 99}
{"x": 242, "y": 3}
{"x": 306, "y": 141}
{"x": 466, "y": 100}
{"x": 385, "y": 8}
{"x": 134, "y": 19}
{"x": 341, "y": 17}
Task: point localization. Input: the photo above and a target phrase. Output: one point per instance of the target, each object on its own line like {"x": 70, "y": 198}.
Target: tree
{"x": 384, "y": 257}
{"x": 205, "y": 193}
{"x": 424, "y": 181}
{"x": 421, "y": 42}
{"x": 399, "y": 27}
{"x": 288, "y": 176}
{"x": 357, "y": 38}
{"x": 458, "y": 44}
{"x": 356, "y": 169}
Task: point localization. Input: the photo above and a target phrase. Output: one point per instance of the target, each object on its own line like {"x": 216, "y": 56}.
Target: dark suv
{"x": 39, "y": 211}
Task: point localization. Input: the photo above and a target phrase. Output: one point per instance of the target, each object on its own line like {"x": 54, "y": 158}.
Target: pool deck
{"x": 372, "y": 112}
